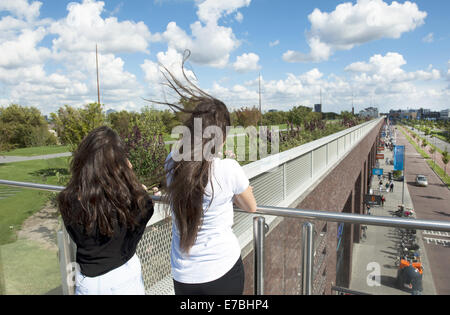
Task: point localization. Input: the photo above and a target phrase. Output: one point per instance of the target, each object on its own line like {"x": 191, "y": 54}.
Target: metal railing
{"x": 260, "y": 229}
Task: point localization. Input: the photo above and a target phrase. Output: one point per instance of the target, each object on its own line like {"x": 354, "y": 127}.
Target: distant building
{"x": 445, "y": 114}
{"x": 371, "y": 112}
{"x": 318, "y": 108}
{"x": 273, "y": 110}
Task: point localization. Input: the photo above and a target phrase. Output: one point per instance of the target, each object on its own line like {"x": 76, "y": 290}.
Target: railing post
{"x": 308, "y": 258}
{"x": 258, "y": 254}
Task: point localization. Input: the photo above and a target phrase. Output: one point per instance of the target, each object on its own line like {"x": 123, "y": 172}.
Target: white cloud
{"x": 247, "y": 62}
{"x": 239, "y": 17}
{"x": 274, "y": 43}
{"x": 355, "y": 24}
{"x": 209, "y": 42}
{"x": 172, "y": 60}
{"x": 388, "y": 69}
{"x": 73, "y": 79}
{"x": 22, "y": 51}
{"x": 84, "y": 27}
{"x": 210, "y": 11}
{"x": 21, "y": 8}
{"x": 429, "y": 38}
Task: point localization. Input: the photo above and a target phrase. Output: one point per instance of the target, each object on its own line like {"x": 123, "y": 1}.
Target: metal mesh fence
{"x": 154, "y": 253}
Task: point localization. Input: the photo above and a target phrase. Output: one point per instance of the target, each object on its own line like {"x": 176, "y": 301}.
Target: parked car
{"x": 421, "y": 180}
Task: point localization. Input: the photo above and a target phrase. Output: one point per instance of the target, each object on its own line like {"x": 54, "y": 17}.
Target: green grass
{"x": 17, "y": 208}
{"x": 422, "y": 152}
{"x": 440, "y": 172}
{"x": 35, "y": 151}
{"x": 27, "y": 268}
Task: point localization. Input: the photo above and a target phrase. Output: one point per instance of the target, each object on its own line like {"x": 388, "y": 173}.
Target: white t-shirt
{"x": 216, "y": 249}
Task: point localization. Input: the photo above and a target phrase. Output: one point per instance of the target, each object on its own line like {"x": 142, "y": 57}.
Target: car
{"x": 421, "y": 180}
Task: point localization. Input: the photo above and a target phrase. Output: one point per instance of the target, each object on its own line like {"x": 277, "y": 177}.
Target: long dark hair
{"x": 189, "y": 178}
{"x": 103, "y": 184}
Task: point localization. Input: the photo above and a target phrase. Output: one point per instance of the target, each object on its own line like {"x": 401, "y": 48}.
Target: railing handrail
{"x": 409, "y": 223}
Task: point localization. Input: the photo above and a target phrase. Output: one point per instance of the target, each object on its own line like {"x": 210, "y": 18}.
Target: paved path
{"x": 380, "y": 247}
{"x": 12, "y": 159}
{"x": 430, "y": 203}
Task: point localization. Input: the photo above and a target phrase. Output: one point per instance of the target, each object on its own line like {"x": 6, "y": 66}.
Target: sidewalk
{"x": 12, "y": 159}
{"x": 380, "y": 245}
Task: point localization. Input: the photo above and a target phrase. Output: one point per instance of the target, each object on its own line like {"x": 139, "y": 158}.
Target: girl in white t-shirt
{"x": 205, "y": 254}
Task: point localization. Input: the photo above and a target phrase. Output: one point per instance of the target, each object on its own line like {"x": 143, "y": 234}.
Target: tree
{"x": 445, "y": 159}
{"x": 248, "y": 116}
{"x": 145, "y": 147}
{"x": 122, "y": 122}
{"x": 298, "y": 114}
{"x": 424, "y": 143}
{"x": 274, "y": 118}
{"x": 22, "y": 127}
{"x": 73, "y": 124}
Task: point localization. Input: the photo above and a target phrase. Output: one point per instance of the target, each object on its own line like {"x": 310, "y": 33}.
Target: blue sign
{"x": 377, "y": 171}
{"x": 399, "y": 153}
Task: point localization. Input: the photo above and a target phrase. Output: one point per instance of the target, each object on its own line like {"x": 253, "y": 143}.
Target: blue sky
{"x": 385, "y": 53}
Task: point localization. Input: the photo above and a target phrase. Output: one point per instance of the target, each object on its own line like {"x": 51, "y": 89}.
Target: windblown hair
{"x": 189, "y": 178}
{"x": 104, "y": 185}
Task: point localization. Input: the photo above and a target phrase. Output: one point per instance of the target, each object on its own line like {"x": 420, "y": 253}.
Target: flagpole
{"x": 404, "y": 175}
{"x": 98, "y": 84}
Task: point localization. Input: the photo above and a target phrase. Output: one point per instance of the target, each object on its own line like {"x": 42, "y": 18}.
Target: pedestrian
{"x": 105, "y": 211}
{"x": 205, "y": 253}
{"x": 368, "y": 209}
{"x": 382, "y": 201}
{"x": 392, "y": 186}
{"x": 387, "y": 186}
{"x": 381, "y": 187}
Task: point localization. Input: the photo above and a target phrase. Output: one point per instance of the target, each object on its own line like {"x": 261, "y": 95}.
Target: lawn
{"x": 18, "y": 205}
{"x": 35, "y": 151}
{"x": 27, "y": 268}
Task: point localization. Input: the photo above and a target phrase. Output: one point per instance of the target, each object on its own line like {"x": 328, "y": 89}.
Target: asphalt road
{"x": 443, "y": 145}
{"x": 430, "y": 203}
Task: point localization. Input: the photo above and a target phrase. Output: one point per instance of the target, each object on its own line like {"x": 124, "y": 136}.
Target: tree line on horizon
{"x": 143, "y": 132}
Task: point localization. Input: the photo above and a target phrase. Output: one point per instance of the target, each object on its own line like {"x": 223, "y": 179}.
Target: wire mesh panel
{"x": 154, "y": 253}
{"x": 298, "y": 172}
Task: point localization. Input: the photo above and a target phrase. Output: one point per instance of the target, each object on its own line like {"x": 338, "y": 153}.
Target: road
{"x": 443, "y": 145}
{"x": 12, "y": 159}
{"x": 430, "y": 203}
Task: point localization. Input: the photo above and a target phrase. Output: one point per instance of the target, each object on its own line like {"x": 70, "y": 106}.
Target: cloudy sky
{"x": 383, "y": 53}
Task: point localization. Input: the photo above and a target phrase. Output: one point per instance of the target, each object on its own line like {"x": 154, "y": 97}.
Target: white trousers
{"x": 124, "y": 280}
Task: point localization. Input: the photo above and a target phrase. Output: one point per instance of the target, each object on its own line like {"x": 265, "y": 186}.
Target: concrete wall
{"x": 341, "y": 190}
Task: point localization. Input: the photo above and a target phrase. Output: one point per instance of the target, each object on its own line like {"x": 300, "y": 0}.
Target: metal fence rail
{"x": 154, "y": 258}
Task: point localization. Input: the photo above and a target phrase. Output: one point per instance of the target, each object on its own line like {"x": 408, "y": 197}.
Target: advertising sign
{"x": 380, "y": 156}
{"x": 372, "y": 200}
{"x": 377, "y": 171}
{"x": 399, "y": 152}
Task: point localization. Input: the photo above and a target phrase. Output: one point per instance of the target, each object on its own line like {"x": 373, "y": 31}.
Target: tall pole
{"x": 404, "y": 174}
{"x": 98, "y": 84}
{"x": 260, "y": 112}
